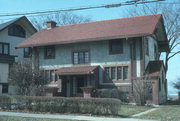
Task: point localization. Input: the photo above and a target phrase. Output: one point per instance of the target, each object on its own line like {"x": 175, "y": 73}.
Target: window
{"x": 147, "y": 46}
{"x": 155, "y": 52}
{"x": 4, "y": 48}
{"x": 116, "y": 46}
{"x": 116, "y": 73}
{"x": 27, "y": 52}
{"x": 50, "y": 75}
{"x": 125, "y": 69}
{"x": 107, "y": 70}
{"x": 4, "y": 88}
{"x": 17, "y": 30}
{"x": 81, "y": 57}
{"x": 50, "y": 52}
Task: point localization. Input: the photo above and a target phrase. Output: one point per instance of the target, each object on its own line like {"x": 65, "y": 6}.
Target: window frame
{"x": 53, "y": 47}
{"x": 116, "y": 73}
{"x": 4, "y": 90}
{"x": 29, "y": 52}
{"x": 3, "y": 44}
{"x": 78, "y": 58}
{"x": 147, "y": 46}
{"x": 19, "y": 28}
{"x": 120, "y": 41}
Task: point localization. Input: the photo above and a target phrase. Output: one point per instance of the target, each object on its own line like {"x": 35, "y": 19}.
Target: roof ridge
{"x": 108, "y": 20}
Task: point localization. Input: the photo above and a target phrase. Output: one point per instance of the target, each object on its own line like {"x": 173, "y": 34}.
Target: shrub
{"x": 97, "y": 106}
{"x": 112, "y": 93}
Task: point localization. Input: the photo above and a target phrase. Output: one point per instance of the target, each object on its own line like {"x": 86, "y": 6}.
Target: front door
{"x": 80, "y": 83}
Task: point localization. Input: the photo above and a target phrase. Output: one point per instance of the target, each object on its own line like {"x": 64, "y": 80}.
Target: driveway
{"x": 72, "y": 117}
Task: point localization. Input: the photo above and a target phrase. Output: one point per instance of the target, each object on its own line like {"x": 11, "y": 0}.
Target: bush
{"x": 112, "y": 93}
{"x": 97, "y": 106}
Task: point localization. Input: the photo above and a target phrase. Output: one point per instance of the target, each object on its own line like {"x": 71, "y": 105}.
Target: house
{"x": 12, "y": 33}
{"x": 102, "y": 54}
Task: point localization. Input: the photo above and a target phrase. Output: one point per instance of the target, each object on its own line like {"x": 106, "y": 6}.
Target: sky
{"x": 19, "y": 6}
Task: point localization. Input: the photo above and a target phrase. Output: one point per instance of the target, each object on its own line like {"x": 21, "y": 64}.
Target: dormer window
{"x": 16, "y": 30}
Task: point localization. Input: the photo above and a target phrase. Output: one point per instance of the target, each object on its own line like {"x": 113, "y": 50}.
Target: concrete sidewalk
{"x": 72, "y": 117}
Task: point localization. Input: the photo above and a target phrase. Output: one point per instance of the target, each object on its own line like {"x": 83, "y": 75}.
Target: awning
{"x": 153, "y": 69}
{"x": 77, "y": 70}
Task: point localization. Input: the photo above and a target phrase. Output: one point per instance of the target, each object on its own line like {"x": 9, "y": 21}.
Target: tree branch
{"x": 173, "y": 55}
{"x": 175, "y": 45}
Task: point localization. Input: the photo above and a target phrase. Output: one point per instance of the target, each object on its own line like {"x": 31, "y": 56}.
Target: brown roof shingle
{"x": 76, "y": 70}
{"x": 93, "y": 31}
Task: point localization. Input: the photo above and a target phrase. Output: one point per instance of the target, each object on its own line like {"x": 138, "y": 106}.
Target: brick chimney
{"x": 50, "y": 24}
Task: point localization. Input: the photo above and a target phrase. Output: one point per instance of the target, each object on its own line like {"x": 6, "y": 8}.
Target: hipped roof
{"x": 95, "y": 31}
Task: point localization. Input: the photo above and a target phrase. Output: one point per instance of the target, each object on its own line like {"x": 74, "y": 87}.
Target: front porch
{"x": 75, "y": 82}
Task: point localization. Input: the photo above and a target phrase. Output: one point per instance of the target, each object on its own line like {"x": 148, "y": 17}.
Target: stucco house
{"x": 102, "y": 54}
{"x": 12, "y": 33}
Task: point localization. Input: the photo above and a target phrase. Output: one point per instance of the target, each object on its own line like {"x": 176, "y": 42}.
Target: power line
{"x": 134, "y": 2}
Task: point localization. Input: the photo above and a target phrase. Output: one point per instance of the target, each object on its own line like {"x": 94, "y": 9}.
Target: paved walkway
{"x": 142, "y": 113}
{"x": 72, "y": 117}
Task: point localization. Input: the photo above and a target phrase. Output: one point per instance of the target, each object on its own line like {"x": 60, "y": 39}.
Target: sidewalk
{"x": 72, "y": 117}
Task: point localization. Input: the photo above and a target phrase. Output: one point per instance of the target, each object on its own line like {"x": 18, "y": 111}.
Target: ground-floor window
{"x": 50, "y": 74}
{"x": 116, "y": 73}
{"x": 4, "y": 88}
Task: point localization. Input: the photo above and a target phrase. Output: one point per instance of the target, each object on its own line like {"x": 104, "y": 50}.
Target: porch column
{"x": 155, "y": 89}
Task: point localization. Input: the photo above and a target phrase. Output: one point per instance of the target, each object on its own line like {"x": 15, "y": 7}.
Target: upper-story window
{"x": 81, "y": 57}
{"x": 155, "y": 52}
{"x": 146, "y": 46}
{"x": 27, "y": 52}
{"x": 49, "y": 52}
{"x": 4, "y": 48}
{"x": 16, "y": 30}
{"x": 116, "y": 46}
{"x": 116, "y": 73}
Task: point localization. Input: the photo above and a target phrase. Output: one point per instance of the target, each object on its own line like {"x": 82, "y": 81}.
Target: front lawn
{"x": 128, "y": 110}
{"x": 165, "y": 113}
{"x": 15, "y": 118}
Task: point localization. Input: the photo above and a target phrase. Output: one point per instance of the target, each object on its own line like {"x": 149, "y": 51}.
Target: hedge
{"x": 97, "y": 106}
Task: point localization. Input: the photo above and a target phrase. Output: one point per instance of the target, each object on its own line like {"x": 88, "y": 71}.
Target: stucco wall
{"x": 151, "y": 56}
{"x": 4, "y": 70}
{"x": 4, "y": 37}
{"x": 99, "y": 55}
{"x": 13, "y": 41}
{"x": 162, "y": 92}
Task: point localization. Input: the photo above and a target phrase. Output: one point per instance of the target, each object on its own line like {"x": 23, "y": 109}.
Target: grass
{"x": 128, "y": 110}
{"x": 165, "y": 113}
{"x": 16, "y": 118}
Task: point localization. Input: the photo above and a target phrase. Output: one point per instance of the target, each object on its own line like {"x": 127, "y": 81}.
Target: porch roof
{"x": 77, "y": 70}
{"x": 154, "y": 68}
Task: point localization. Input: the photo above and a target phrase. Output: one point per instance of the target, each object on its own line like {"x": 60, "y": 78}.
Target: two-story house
{"x": 12, "y": 33}
{"x": 102, "y": 54}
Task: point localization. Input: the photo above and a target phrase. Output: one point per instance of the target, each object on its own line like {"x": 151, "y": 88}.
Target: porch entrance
{"x": 73, "y": 78}
{"x": 80, "y": 83}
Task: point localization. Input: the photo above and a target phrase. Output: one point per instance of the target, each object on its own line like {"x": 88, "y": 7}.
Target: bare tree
{"x": 177, "y": 86}
{"x": 172, "y": 24}
{"x": 142, "y": 90}
{"x": 27, "y": 79}
{"x": 62, "y": 18}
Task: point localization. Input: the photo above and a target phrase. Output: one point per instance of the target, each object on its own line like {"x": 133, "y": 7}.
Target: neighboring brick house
{"x": 12, "y": 33}
{"x": 102, "y": 54}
